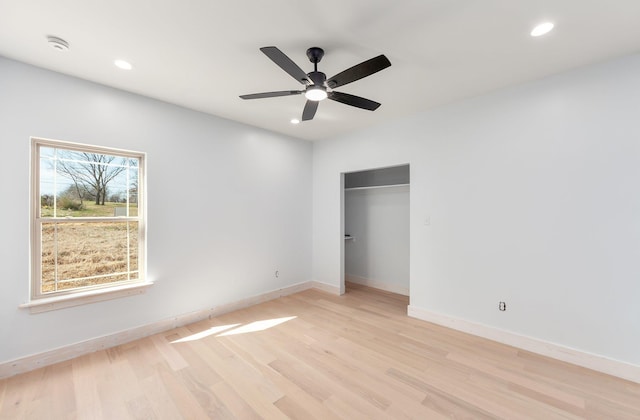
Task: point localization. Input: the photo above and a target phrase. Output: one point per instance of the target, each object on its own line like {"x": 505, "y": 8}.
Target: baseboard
{"x": 61, "y": 354}
{"x": 566, "y": 354}
{"x": 334, "y": 290}
{"x": 393, "y": 288}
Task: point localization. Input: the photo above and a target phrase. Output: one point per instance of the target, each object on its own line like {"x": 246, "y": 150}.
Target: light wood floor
{"x": 354, "y": 356}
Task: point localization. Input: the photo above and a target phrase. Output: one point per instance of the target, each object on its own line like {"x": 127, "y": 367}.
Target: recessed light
{"x": 542, "y": 29}
{"x": 124, "y": 65}
{"x": 57, "y": 44}
{"x": 295, "y": 121}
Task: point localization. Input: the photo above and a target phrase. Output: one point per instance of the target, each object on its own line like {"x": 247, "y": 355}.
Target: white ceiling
{"x": 202, "y": 54}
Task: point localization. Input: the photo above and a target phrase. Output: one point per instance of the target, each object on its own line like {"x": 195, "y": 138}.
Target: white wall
{"x": 378, "y": 254}
{"x": 228, "y": 205}
{"x": 534, "y": 198}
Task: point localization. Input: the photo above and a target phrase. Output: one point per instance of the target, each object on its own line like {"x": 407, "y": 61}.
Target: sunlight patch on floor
{"x": 234, "y": 329}
{"x": 206, "y": 333}
{"x": 257, "y": 326}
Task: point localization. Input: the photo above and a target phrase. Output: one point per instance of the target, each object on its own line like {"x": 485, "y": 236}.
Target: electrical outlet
{"x": 502, "y": 306}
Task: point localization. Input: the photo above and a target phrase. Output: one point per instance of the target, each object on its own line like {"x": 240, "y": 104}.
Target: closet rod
{"x": 376, "y": 186}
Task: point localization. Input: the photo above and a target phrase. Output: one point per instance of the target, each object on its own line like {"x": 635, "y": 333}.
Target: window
{"x": 88, "y": 219}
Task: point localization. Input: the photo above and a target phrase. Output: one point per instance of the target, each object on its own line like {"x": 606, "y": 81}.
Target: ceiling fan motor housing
{"x": 317, "y": 77}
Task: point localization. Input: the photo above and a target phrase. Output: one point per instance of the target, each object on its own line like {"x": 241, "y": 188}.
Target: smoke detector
{"x": 58, "y": 44}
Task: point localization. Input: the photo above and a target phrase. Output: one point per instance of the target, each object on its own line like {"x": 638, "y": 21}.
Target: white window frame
{"x": 40, "y": 302}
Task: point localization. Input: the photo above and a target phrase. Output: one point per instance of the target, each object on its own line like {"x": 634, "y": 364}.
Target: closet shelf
{"x": 375, "y": 186}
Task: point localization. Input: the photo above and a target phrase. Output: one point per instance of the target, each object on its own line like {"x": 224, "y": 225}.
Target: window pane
{"x": 47, "y": 181}
{"x": 76, "y": 283}
{"x": 48, "y": 257}
{"x": 88, "y": 254}
{"x": 133, "y": 189}
{"x": 123, "y": 192}
{"x": 86, "y": 184}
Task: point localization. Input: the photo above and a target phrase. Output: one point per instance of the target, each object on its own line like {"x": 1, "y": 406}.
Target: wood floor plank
{"x": 19, "y": 395}
{"x": 3, "y": 393}
{"x": 85, "y": 388}
{"x": 55, "y": 393}
{"x": 521, "y": 382}
{"x": 257, "y": 391}
{"x": 141, "y": 408}
{"x": 237, "y": 406}
{"x": 289, "y": 388}
{"x": 316, "y": 355}
{"x": 143, "y": 358}
{"x": 292, "y": 409}
{"x": 170, "y": 354}
{"x": 369, "y": 383}
{"x": 186, "y": 403}
{"x": 158, "y": 397}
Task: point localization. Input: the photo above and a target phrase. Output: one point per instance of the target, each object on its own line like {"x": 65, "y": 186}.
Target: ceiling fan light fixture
{"x": 542, "y": 29}
{"x": 316, "y": 93}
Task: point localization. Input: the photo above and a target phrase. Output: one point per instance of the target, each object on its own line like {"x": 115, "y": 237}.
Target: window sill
{"x": 83, "y": 298}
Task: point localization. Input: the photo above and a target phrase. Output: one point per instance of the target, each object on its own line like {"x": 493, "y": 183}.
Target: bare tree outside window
{"x": 91, "y": 173}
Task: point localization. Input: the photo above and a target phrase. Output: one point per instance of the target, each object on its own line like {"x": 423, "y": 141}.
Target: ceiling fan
{"x": 317, "y": 86}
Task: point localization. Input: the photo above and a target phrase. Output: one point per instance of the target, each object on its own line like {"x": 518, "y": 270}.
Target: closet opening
{"x": 375, "y": 221}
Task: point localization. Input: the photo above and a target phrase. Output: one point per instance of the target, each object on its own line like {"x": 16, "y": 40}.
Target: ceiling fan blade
{"x": 357, "y": 72}
{"x": 271, "y": 94}
{"x": 353, "y": 100}
{"x": 286, "y": 64}
{"x": 309, "y": 111}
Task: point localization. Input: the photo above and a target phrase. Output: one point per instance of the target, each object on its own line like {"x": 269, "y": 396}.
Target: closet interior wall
{"x": 376, "y": 218}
